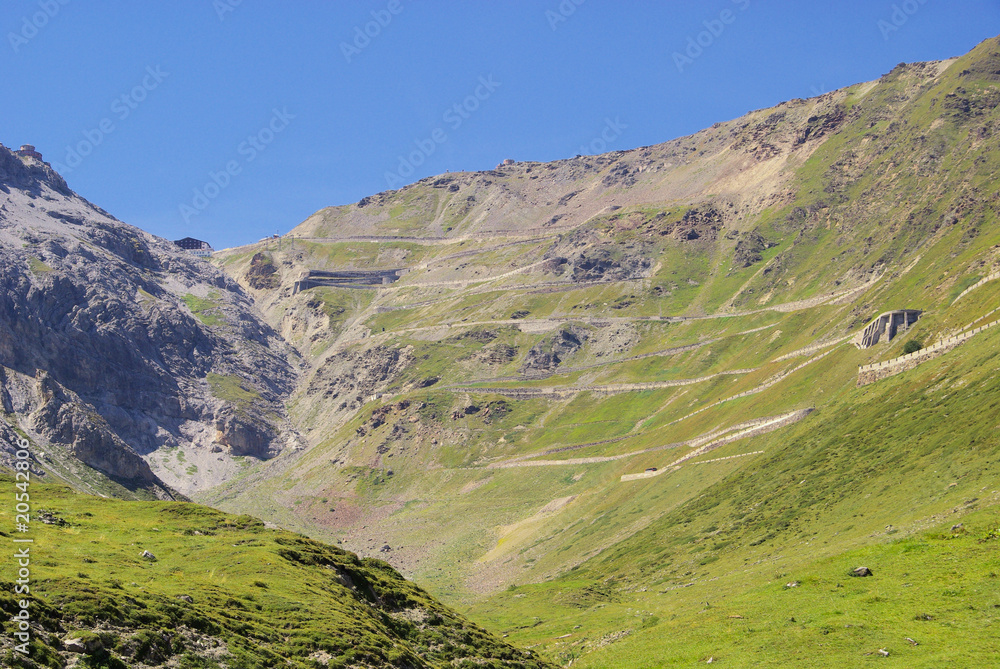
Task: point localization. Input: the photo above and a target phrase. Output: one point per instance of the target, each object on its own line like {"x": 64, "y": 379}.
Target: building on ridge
{"x": 27, "y": 150}
{"x": 195, "y": 246}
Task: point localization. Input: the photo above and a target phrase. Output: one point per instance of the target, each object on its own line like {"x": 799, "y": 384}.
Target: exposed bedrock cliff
{"x": 134, "y": 342}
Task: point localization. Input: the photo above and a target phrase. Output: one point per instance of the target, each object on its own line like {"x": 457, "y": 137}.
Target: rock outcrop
{"x": 110, "y": 338}
{"x": 548, "y": 354}
{"x": 346, "y": 380}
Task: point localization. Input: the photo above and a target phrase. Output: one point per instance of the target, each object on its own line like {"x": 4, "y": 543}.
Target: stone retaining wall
{"x": 986, "y": 279}
{"x": 881, "y": 370}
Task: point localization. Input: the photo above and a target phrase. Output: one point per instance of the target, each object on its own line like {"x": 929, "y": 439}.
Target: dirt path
{"x": 786, "y": 307}
{"x": 617, "y": 388}
{"x": 714, "y": 440}
{"x": 763, "y": 386}
{"x": 770, "y": 425}
{"x": 538, "y": 233}
{"x": 812, "y": 349}
{"x": 607, "y": 389}
{"x": 749, "y": 427}
{"x": 604, "y": 363}
{"x": 459, "y": 282}
{"x": 472, "y": 252}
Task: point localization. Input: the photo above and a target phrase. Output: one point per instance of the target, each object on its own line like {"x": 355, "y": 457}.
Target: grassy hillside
{"x": 899, "y": 476}
{"x": 679, "y": 315}
{"x": 218, "y": 591}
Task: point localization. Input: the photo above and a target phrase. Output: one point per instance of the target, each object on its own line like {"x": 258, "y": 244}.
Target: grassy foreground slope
{"x": 218, "y": 591}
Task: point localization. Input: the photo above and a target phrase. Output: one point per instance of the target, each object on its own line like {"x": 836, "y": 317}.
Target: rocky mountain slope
{"x": 560, "y": 390}
{"x": 138, "y": 368}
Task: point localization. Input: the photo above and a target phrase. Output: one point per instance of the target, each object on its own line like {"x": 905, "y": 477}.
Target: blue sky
{"x": 231, "y": 119}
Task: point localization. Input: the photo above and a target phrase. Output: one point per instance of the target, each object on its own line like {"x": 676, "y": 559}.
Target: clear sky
{"x": 230, "y": 119}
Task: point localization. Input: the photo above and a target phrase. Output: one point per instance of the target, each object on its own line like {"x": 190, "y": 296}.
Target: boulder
{"x": 83, "y": 646}
{"x": 74, "y": 646}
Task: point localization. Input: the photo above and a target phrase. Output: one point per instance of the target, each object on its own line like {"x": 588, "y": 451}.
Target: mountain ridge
{"x": 600, "y": 394}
